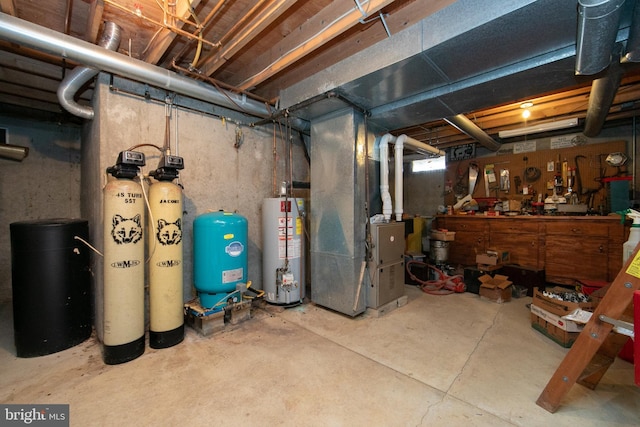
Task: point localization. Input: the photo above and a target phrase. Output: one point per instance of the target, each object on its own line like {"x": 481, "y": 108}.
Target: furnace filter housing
{"x": 283, "y": 238}
{"x": 219, "y": 256}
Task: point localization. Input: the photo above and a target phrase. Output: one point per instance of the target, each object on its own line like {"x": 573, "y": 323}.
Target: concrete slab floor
{"x": 437, "y": 361}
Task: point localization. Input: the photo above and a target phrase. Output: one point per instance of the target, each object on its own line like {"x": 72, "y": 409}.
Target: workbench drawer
{"x": 510, "y": 227}
{"x": 578, "y": 228}
{"x": 464, "y": 224}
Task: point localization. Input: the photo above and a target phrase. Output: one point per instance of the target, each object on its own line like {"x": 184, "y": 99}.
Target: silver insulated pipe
{"x": 80, "y": 75}
{"x": 25, "y": 33}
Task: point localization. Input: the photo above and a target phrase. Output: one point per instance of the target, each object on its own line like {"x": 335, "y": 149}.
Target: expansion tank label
{"x": 234, "y": 249}
{"x": 235, "y": 275}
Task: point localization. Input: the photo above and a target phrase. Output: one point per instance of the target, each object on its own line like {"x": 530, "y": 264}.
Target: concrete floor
{"x": 437, "y": 361}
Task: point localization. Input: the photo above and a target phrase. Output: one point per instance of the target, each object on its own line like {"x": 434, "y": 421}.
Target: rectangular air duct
{"x": 338, "y": 217}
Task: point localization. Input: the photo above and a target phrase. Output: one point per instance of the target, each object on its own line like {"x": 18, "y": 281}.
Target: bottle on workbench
{"x": 634, "y": 234}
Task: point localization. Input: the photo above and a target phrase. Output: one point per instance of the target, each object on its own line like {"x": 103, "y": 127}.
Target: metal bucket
{"x": 439, "y": 251}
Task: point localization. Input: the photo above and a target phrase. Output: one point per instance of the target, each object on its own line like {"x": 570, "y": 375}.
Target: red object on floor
{"x": 627, "y": 351}
{"x": 636, "y": 332}
{"x": 590, "y": 286}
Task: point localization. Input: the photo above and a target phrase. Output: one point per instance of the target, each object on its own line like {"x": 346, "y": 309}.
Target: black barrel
{"x": 51, "y": 285}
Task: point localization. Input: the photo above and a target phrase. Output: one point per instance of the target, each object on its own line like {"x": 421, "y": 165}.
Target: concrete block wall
{"x": 44, "y": 185}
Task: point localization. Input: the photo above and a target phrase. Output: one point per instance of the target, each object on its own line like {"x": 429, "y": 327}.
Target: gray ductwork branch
{"x": 603, "y": 91}
{"x": 79, "y": 76}
{"x": 466, "y": 126}
{"x": 598, "y": 22}
{"x": 633, "y": 43}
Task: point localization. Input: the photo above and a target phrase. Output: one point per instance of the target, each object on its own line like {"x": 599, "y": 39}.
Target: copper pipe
{"x": 171, "y": 28}
{"x": 219, "y": 83}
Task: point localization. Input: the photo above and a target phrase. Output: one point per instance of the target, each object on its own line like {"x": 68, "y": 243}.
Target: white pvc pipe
{"x": 399, "y": 185}
{"x": 421, "y": 147}
{"x": 387, "y": 207}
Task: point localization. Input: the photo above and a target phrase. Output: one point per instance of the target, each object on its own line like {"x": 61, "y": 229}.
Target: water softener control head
{"x": 127, "y": 165}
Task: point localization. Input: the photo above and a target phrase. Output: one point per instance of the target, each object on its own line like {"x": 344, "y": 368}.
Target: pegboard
{"x": 592, "y": 167}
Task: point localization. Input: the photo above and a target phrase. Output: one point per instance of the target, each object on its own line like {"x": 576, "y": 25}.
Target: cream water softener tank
{"x": 283, "y": 267}
{"x": 124, "y": 219}
{"x": 166, "y": 301}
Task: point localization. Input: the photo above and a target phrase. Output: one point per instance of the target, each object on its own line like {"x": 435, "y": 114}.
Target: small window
{"x": 430, "y": 164}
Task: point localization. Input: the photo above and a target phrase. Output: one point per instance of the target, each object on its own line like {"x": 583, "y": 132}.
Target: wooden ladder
{"x": 596, "y": 347}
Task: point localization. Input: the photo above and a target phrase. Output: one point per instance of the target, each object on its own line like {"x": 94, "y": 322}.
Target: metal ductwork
{"x": 603, "y": 91}
{"x": 633, "y": 43}
{"x": 34, "y": 36}
{"x": 76, "y": 79}
{"x": 466, "y": 126}
{"x": 598, "y": 22}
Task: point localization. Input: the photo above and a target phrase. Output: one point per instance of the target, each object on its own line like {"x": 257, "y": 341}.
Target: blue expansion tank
{"x": 219, "y": 256}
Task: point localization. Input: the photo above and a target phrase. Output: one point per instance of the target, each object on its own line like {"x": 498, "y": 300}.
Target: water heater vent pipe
{"x": 399, "y": 142}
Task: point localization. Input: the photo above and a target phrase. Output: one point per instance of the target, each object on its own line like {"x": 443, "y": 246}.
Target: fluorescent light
{"x": 542, "y": 127}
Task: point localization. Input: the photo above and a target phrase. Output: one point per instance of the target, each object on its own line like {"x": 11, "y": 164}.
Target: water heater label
{"x": 285, "y": 206}
{"x": 235, "y": 275}
{"x": 234, "y": 249}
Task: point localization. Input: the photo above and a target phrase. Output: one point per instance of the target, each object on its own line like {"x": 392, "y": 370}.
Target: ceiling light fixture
{"x": 541, "y": 127}
{"x": 526, "y": 105}
{"x": 526, "y": 114}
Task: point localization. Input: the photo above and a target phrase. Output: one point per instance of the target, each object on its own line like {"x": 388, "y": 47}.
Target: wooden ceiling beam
{"x": 267, "y": 16}
{"x": 94, "y": 19}
{"x": 164, "y": 37}
{"x": 8, "y": 7}
{"x": 312, "y": 34}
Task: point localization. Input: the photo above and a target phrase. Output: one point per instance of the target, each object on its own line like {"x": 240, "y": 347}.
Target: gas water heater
{"x": 283, "y": 268}
{"x": 219, "y": 258}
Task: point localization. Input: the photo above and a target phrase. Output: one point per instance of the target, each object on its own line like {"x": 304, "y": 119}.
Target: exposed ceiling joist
{"x": 265, "y": 17}
{"x": 332, "y": 21}
{"x": 165, "y": 36}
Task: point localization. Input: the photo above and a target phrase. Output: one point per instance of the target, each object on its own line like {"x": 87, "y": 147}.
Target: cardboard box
{"x": 496, "y": 288}
{"x": 560, "y": 336}
{"x": 511, "y": 206}
{"x": 565, "y": 325}
{"x": 447, "y": 236}
{"x": 493, "y": 257}
{"x": 555, "y": 306}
